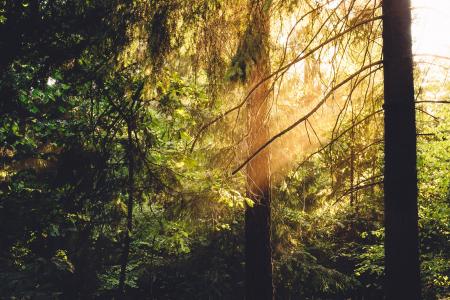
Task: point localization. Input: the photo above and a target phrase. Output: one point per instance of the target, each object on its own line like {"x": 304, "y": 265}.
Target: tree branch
{"x": 305, "y": 117}
{"x": 281, "y": 69}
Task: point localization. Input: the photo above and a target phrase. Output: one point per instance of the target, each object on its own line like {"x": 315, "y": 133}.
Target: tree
{"x": 400, "y": 175}
{"x": 131, "y": 190}
{"x": 258, "y": 251}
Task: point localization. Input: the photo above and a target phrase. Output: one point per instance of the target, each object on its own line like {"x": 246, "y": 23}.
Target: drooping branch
{"x": 298, "y": 59}
{"x": 334, "y": 140}
{"x": 360, "y": 151}
{"x": 310, "y": 113}
{"x": 359, "y": 187}
{"x": 427, "y": 113}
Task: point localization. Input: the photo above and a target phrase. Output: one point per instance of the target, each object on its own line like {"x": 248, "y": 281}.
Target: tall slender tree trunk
{"x": 258, "y": 251}
{"x": 131, "y": 188}
{"x": 400, "y": 179}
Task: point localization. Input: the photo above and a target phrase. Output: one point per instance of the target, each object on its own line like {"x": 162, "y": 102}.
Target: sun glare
{"x": 431, "y": 22}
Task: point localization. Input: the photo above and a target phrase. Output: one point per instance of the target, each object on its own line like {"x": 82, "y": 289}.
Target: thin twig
{"x": 305, "y": 117}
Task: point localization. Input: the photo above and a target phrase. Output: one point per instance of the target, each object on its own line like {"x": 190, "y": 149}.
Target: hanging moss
{"x": 160, "y": 29}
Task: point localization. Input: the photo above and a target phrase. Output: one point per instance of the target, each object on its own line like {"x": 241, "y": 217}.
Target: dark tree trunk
{"x": 400, "y": 178}
{"x": 131, "y": 188}
{"x": 258, "y": 251}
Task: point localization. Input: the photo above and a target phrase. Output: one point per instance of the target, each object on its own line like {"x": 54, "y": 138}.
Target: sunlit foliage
{"x": 134, "y": 112}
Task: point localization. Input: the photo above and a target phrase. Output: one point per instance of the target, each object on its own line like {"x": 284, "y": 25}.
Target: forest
{"x": 225, "y": 149}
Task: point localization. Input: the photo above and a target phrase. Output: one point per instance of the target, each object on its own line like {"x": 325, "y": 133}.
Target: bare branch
{"x": 281, "y": 69}
{"x": 339, "y": 136}
{"x": 305, "y": 117}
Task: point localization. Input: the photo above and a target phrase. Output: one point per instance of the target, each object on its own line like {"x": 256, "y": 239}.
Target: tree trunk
{"x": 127, "y": 241}
{"x": 400, "y": 179}
{"x": 258, "y": 252}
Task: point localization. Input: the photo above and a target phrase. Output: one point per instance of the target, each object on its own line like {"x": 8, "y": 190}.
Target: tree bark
{"x": 258, "y": 252}
{"x": 402, "y": 279}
